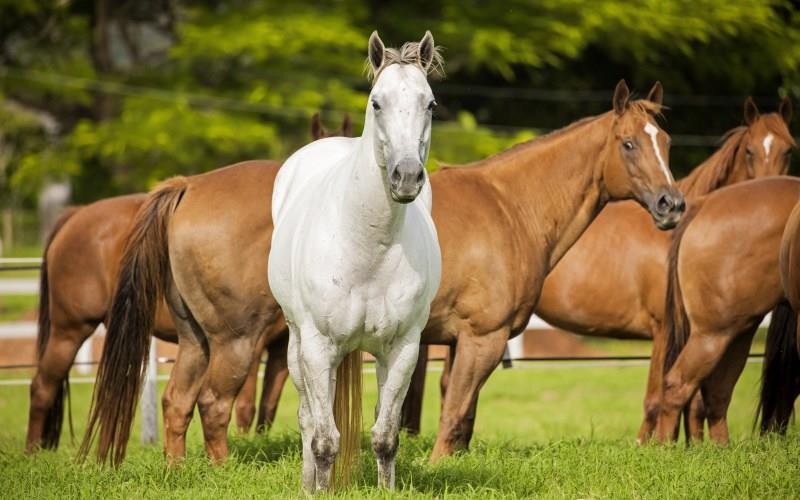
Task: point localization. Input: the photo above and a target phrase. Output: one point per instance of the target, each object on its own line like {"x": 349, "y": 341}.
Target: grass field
{"x": 564, "y": 431}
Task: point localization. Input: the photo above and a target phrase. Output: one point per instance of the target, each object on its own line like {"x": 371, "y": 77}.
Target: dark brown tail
{"x": 676, "y": 322}
{"x": 53, "y": 420}
{"x": 780, "y": 376}
{"x": 143, "y": 277}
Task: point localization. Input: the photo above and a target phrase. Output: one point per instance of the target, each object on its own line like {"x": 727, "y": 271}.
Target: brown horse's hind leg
{"x": 695, "y": 419}
{"x": 275, "y": 375}
{"x": 700, "y": 355}
{"x": 475, "y": 359}
{"x": 444, "y": 380}
{"x": 46, "y": 391}
{"x": 412, "y": 405}
{"x": 718, "y": 387}
{"x": 652, "y": 397}
{"x": 183, "y": 387}
{"x": 229, "y": 364}
{"x": 246, "y": 399}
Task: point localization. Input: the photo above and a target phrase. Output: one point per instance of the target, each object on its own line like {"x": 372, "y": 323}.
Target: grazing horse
{"x": 780, "y": 379}
{"x": 620, "y": 294}
{"x": 355, "y": 262}
{"x": 504, "y": 222}
{"x": 723, "y": 278}
{"x": 79, "y": 269}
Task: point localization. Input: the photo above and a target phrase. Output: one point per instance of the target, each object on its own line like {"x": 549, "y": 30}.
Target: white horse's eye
{"x": 432, "y": 105}
{"x": 376, "y": 106}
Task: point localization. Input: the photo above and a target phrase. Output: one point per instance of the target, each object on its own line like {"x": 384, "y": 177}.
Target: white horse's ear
{"x": 656, "y": 94}
{"x": 426, "y": 51}
{"x": 750, "y": 111}
{"x": 376, "y": 51}
{"x": 621, "y": 96}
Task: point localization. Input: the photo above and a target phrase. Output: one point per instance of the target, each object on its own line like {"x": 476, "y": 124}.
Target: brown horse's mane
{"x": 642, "y": 107}
{"x": 712, "y": 173}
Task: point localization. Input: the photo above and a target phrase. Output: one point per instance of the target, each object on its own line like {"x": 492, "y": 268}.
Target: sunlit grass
{"x": 542, "y": 431}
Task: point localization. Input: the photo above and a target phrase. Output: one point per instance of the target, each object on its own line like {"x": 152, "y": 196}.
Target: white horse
{"x": 355, "y": 260}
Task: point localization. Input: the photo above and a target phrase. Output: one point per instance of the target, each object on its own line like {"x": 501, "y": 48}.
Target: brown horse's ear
{"x": 426, "y": 51}
{"x": 621, "y": 96}
{"x": 376, "y": 51}
{"x": 656, "y": 94}
{"x": 786, "y": 109}
{"x": 316, "y": 127}
{"x": 347, "y": 126}
{"x": 750, "y": 111}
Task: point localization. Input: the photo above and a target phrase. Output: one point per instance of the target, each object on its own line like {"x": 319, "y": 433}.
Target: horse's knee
{"x": 652, "y": 406}
{"x": 325, "y": 446}
{"x": 384, "y": 445}
{"x": 672, "y": 398}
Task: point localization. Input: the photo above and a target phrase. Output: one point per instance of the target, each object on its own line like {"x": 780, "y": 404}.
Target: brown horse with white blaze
{"x": 78, "y": 275}
{"x": 596, "y": 292}
{"x": 504, "y": 223}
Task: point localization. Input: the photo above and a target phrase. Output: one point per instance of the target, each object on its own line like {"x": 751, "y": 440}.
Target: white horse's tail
{"x": 347, "y": 414}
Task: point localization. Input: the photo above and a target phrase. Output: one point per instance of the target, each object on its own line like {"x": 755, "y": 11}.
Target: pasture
{"x": 561, "y": 430}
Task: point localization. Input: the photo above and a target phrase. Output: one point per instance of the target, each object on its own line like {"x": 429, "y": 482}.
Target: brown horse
{"x": 620, "y": 294}
{"x": 502, "y": 223}
{"x": 780, "y": 379}
{"x": 78, "y": 276}
{"x": 723, "y": 279}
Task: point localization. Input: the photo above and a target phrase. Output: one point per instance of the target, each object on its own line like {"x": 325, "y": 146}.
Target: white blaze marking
{"x": 767, "y": 144}
{"x": 652, "y": 131}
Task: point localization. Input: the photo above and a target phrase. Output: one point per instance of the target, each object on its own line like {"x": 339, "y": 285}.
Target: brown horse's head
{"x": 637, "y": 157}
{"x": 318, "y": 131}
{"x": 766, "y": 145}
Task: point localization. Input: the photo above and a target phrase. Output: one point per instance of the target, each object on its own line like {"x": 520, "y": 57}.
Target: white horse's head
{"x": 400, "y": 107}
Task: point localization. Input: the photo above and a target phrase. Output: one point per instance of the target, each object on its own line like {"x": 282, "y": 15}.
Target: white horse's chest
{"x": 374, "y": 302}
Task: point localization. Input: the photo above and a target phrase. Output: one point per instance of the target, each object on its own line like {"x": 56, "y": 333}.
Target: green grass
{"x": 18, "y": 307}
{"x": 545, "y": 431}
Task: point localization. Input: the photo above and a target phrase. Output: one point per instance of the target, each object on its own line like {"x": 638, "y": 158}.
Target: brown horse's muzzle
{"x": 667, "y": 208}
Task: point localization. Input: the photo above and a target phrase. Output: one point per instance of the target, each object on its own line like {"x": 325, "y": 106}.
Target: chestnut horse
{"x": 78, "y": 275}
{"x": 621, "y": 294}
{"x": 504, "y": 222}
{"x": 780, "y": 379}
{"x": 723, "y": 279}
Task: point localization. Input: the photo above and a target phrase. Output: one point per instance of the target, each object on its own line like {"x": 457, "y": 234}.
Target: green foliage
{"x": 235, "y": 79}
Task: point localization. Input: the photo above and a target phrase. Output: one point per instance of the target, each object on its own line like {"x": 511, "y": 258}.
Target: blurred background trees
{"x": 115, "y": 95}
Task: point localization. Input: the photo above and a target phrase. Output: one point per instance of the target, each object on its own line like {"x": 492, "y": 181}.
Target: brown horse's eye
{"x": 628, "y": 145}
{"x": 749, "y": 153}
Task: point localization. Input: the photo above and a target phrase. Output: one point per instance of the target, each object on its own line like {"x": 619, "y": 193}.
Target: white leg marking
{"x": 652, "y": 131}
{"x": 767, "y": 144}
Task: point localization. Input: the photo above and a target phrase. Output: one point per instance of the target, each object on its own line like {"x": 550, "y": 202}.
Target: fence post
{"x": 150, "y": 398}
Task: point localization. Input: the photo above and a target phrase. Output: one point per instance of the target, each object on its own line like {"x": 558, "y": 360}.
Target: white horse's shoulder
{"x": 306, "y": 163}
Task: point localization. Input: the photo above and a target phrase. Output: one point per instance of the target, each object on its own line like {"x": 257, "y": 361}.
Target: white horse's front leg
{"x": 317, "y": 364}
{"x": 394, "y": 369}
{"x": 304, "y": 415}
